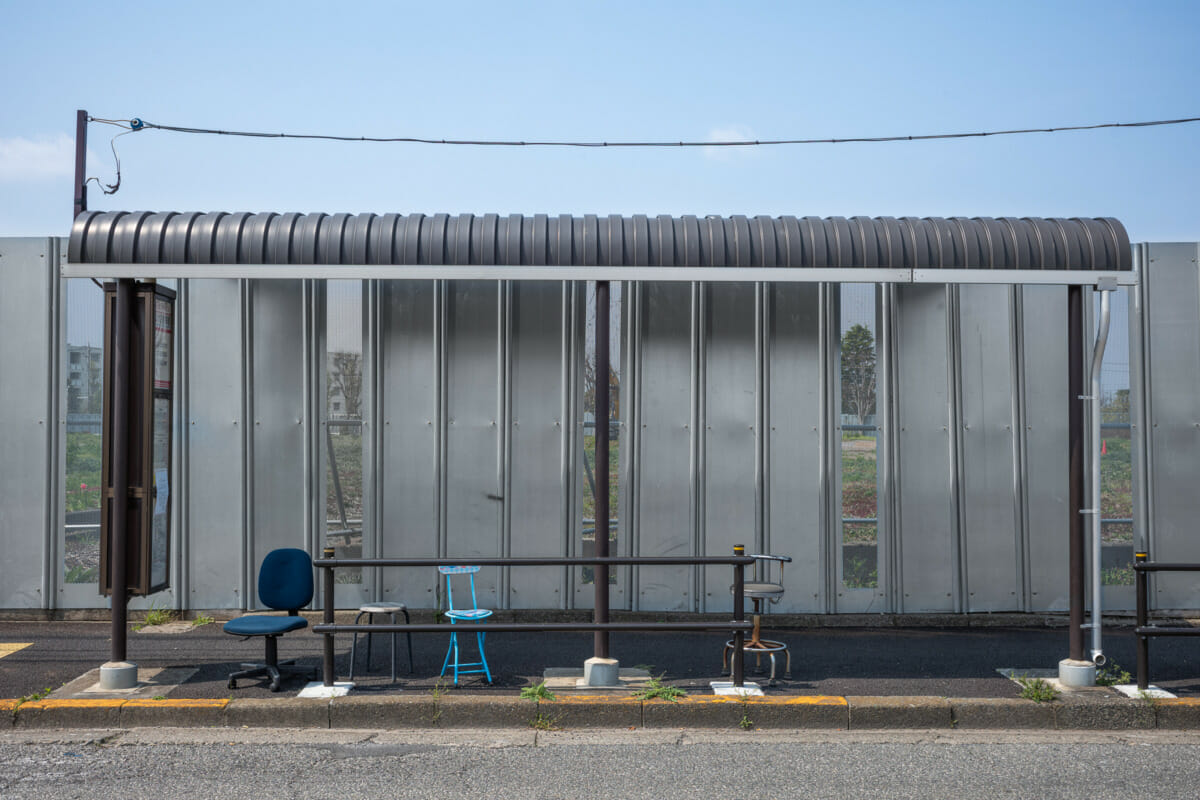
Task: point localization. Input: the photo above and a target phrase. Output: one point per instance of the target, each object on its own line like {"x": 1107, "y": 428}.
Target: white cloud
{"x": 38, "y": 159}
{"x": 729, "y": 133}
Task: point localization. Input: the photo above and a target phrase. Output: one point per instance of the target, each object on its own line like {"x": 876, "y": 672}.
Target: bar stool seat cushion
{"x": 762, "y": 589}
{"x": 382, "y": 608}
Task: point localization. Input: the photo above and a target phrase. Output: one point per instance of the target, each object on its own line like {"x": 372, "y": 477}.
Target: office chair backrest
{"x": 285, "y": 580}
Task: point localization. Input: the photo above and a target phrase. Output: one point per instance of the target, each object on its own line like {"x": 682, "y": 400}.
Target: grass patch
{"x": 202, "y": 620}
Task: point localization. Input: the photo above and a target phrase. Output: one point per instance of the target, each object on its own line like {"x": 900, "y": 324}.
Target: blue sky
{"x": 607, "y": 71}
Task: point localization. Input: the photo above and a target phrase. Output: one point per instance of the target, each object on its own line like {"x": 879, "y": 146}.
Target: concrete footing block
{"x": 601, "y": 672}
{"x": 1000, "y": 712}
{"x": 1076, "y": 674}
{"x": 117, "y": 676}
{"x": 899, "y": 712}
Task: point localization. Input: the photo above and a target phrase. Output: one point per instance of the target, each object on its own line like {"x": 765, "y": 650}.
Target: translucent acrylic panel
{"x": 1116, "y": 470}
{"x": 860, "y": 512}
{"x": 594, "y": 477}
{"x": 84, "y": 367}
{"x": 343, "y": 424}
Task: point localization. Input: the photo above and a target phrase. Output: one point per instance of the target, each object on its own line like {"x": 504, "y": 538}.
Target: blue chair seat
{"x": 472, "y": 613}
{"x": 264, "y": 625}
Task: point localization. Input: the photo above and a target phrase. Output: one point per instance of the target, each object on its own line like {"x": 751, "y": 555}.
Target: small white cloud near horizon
{"x": 37, "y": 159}
{"x": 729, "y": 133}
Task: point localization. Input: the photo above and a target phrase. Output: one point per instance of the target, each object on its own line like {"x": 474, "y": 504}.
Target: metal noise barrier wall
{"x": 639, "y": 240}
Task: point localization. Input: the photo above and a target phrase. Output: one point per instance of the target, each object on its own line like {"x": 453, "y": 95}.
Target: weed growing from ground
{"x": 203, "y": 619}
{"x": 1111, "y": 674}
{"x": 538, "y": 692}
{"x": 1037, "y": 690}
{"x": 655, "y": 689}
{"x": 155, "y": 616}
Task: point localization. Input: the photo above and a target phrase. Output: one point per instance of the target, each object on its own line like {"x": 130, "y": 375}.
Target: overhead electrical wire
{"x": 137, "y": 124}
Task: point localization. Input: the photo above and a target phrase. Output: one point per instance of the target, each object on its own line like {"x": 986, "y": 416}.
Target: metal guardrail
{"x": 738, "y": 625}
{"x": 1144, "y": 630}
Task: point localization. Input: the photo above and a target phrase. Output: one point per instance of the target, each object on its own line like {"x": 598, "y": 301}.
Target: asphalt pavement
{"x": 926, "y": 661}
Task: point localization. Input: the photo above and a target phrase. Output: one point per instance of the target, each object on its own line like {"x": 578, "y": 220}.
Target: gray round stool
{"x": 370, "y": 610}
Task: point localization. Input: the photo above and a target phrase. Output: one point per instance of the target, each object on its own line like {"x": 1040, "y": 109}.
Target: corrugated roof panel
{"x": 687, "y": 241}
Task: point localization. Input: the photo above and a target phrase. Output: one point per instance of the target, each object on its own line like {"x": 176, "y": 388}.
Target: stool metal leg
{"x": 393, "y": 616}
{"x": 408, "y": 635}
{"x": 354, "y": 647}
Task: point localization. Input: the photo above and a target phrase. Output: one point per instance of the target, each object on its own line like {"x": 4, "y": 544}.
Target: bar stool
{"x": 370, "y": 610}
{"x": 759, "y": 591}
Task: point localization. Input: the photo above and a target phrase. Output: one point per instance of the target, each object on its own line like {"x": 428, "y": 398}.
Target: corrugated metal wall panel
{"x": 794, "y": 428}
{"x": 1172, "y": 319}
{"x": 30, "y": 509}
{"x": 991, "y": 535}
{"x": 927, "y": 526}
{"x": 215, "y": 496}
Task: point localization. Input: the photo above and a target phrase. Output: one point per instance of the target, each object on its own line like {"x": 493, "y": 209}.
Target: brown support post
{"x": 327, "y": 653}
{"x": 1076, "y": 549}
{"x": 81, "y": 120}
{"x": 739, "y": 615}
{"x": 600, "y": 649}
{"x": 120, "y": 467}
{"x": 1143, "y": 619}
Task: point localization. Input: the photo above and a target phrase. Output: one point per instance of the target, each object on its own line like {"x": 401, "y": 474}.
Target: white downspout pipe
{"x": 1093, "y": 511}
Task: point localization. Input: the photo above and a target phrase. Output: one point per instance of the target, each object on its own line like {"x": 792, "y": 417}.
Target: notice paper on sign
{"x": 162, "y": 491}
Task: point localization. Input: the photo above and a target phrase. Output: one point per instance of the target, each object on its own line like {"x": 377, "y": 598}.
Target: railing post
{"x": 327, "y": 655}
{"x": 1143, "y": 641}
{"x": 739, "y": 614}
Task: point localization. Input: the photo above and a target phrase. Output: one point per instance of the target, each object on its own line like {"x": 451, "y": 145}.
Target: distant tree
{"x": 858, "y": 372}
{"x": 345, "y": 379}
{"x": 95, "y": 395}
{"x": 1116, "y": 407}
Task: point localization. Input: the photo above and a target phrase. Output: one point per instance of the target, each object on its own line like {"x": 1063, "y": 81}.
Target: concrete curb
{"x": 579, "y": 712}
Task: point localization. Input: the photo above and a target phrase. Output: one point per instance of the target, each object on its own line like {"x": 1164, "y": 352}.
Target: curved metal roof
{"x": 662, "y": 241}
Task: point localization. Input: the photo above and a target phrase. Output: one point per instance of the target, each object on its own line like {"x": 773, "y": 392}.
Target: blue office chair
{"x": 472, "y": 614}
{"x": 285, "y": 583}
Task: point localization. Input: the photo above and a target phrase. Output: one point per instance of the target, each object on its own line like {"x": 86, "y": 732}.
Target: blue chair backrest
{"x": 448, "y": 571}
{"x": 285, "y": 579}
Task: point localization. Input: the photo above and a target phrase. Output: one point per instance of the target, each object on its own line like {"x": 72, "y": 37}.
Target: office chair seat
{"x": 264, "y": 625}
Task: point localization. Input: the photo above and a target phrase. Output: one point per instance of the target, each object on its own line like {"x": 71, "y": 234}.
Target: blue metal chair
{"x": 472, "y": 614}
{"x": 285, "y": 583}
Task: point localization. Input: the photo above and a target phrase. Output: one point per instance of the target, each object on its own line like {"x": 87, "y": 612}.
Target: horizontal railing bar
{"x": 1154, "y": 630}
{"x": 860, "y": 520}
{"x": 1158, "y": 566}
{"x": 615, "y": 561}
{"x": 550, "y": 272}
{"x": 534, "y": 627}
{"x": 1124, "y": 426}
